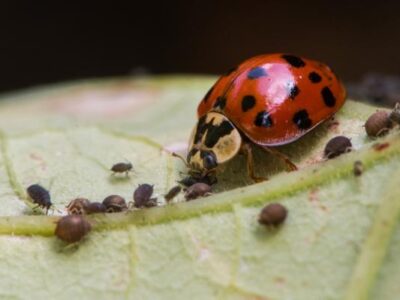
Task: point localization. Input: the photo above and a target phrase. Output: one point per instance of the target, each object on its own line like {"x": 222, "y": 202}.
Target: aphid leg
{"x": 247, "y": 150}
{"x": 181, "y": 158}
{"x": 289, "y": 164}
{"x": 131, "y": 205}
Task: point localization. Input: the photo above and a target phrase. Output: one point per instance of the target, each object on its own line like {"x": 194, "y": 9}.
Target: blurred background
{"x": 51, "y": 41}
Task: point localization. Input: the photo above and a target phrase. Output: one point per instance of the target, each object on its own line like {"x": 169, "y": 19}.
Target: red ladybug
{"x": 268, "y": 100}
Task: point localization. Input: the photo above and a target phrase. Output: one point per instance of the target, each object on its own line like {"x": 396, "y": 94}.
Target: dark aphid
{"x": 95, "y": 207}
{"x": 77, "y": 206}
{"x": 337, "y": 146}
{"x": 273, "y": 214}
{"x": 39, "y": 196}
{"x": 72, "y": 228}
{"x": 142, "y": 196}
{"x": 190, "y": 180}
{"x": 395, "y": 114}
{"x": 172, "y": 193}
{"x": 196, "y": 190}
{"x": 378, "y": 124}
{"x": 115, "y": 203}
{"x": 358, "y": 168}
{"x": 122, "y": 167}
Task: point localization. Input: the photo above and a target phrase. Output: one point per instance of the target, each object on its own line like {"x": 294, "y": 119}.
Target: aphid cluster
{"x": 82, "y": 206}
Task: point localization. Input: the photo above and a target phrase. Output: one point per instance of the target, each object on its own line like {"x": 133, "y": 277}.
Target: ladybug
{"x": 268, "y": 100}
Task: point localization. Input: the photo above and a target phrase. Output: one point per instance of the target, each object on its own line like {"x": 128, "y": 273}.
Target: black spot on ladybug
{"x": 220, "y": 103}
{"x": 294, "y": 61}
{"x": 302, "y": 120}
{"x": 314, "y": 77}
{"x": 248, "y": 102}
{"x": 263, "y": 119}
{"x": 230, "y": 71}
{"x": 208, "y": 94}
{"x": 294, "y": 91}
{"x": 328, "y": 97}
{"x": 201, "y": 129}
{"x": 256, "y": 72}
{"x": 215, "y": 132}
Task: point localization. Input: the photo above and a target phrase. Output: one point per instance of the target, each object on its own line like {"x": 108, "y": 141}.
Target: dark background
{"x": 50, "y": 41}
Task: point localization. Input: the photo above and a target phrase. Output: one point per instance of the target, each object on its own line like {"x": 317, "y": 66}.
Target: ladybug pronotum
{"x": 267, "y": 101}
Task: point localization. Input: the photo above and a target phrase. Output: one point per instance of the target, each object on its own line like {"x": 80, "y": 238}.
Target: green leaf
{"x": 340, "y": 240}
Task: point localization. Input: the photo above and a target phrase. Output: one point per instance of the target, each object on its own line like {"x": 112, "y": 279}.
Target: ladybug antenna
{"x": 181, "y": 158}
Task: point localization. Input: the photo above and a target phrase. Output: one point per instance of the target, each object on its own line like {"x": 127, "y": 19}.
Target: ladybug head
{"x": 214, "y": 141}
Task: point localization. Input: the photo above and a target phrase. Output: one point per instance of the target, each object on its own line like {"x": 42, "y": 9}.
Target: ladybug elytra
{"x": 268, "y": 100}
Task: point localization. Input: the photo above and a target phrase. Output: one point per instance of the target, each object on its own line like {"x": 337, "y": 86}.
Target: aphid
{"x": 39, "y": 196}
{"x": 172, "y": 193}
{"x": 395, "y": 114}
{"x": 95, "y": 207}
{"x": 273, "y": 214}
{"x": 197, "y": 190}
{"x": 115, "y": 203}
{"x": 77, "y": 206}
{"x": 378, "y": 124}
{"x": 337, "y": 146}
{"x": 122, "y": 167}
{"x": 72, "y": 228}
{"x": 142, "y": 196}
{"x": 267, "y": 101}
{"x": 358, "y": 168}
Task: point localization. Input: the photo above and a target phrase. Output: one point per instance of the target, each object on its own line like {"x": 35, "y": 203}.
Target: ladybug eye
{"x": 209, "y": 161}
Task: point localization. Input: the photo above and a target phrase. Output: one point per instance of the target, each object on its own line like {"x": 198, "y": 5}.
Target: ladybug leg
{"x": 248, "y": 151}
{"x": 289, "y": 164}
